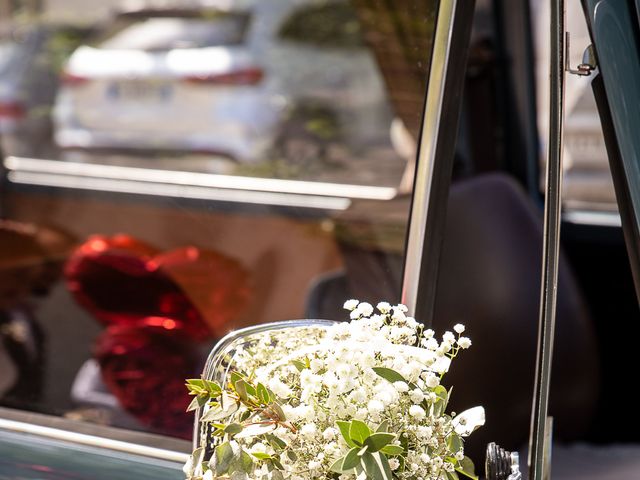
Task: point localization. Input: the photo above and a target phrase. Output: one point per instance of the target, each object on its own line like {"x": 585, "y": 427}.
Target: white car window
{"x": 588, "y": 186}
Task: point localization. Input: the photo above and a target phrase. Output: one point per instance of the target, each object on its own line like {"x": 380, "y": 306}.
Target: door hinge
{"x": 588, "y": 64}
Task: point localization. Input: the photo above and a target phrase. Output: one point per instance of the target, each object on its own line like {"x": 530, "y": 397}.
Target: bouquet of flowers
{"x": 358, "y": 400}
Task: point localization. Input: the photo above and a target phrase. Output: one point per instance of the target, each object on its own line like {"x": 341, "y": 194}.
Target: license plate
{"x": 140, "y": 91}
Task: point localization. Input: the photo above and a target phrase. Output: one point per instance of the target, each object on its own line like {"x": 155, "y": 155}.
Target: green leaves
{"x": 233, "y": 428}
{"x": 276, "y": 443}
{"x": 454, "y": 443}
{"x": 241, "y": 389}
{"x": 198, "y": 402}
{"x": 263, "y": 394}
{"x": 244, "y": 463}
{"x": 256, "y": 397}
{"x": 344, "y": 430}
{"x": 440, "y": 404}
{"x": 261, "y": 456}
{"x": 222, "y": 457}
{"x": 204, "y": 391}
{"x": 358, "y": 434}
{"x": 392, "y": 450}
{"x": 368, "y": 451}
{"x": 227, "y": 407}
{"x": 235, "y": 377}
{"x": 466, "y": 468}
{"x": 227, "y": 460}
{"x": 336, "y": 466}
{"x": 277, "y": 411}
{"x": 292, "y": 455}
{"x": 376, "y": 466}
{"x": 272, "y": 461}
{"x": 383, "y": 427}
{"x": 389, "y": 374}
{"x": 378, "y": 441}
{"x": 301, "y": 365}
{"x": 351, "y": 459}
{"x": 196, "y": 386}
{"x": 359, "y": 431}
{"x": 244, "y": 408}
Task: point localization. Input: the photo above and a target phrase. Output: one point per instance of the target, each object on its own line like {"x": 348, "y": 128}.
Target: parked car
{"x": 27, "y": 90}
{"x": 148, "y": 61}
{"x": 229, "y": 78}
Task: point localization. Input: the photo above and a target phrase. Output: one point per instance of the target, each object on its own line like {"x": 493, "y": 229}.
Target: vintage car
{"x": 119, "y": 272}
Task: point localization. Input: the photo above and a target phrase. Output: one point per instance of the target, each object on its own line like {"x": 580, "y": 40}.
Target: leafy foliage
{"x": 341, "y": 408}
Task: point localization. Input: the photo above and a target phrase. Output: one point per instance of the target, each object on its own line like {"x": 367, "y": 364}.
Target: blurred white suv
{"x": 214, "y": 80}
{"x": 176, "y": 79}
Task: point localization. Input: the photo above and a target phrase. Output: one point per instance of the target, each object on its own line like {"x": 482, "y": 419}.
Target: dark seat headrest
{"x": 489, "y": 279}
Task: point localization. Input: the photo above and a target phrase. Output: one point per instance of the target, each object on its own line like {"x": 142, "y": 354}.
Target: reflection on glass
{"x": 204, "y": 168}
{"x": 587, "y": 183}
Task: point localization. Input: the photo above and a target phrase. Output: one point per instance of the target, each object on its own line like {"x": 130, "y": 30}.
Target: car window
{"x": 588, "y": 186}
{"x": 167, "y": 33}
{"x": 157, "y": 193}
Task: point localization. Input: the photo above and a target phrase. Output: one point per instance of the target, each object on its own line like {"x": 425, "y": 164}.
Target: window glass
{"x": 587, "y": 182}
{"x": 7, "y": 51}
{"x": 332, "y": 24}
{"x": 172, "y": 31}
{"x": 172, "y": 173}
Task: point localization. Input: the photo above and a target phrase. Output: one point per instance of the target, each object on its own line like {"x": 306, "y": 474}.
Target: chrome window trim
{"x": 196, "y": 185}
{"x": 50, "y": 427}
{"x": 424, "y": 177}
{"x": 178, "y": 191}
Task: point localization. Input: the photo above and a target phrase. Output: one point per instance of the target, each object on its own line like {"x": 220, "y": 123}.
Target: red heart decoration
{"x": 145, "y": 367}
{"x": 121, "y": 280}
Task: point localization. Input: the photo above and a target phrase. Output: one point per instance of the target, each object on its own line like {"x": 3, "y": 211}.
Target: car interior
{"x": 488, "y": 271}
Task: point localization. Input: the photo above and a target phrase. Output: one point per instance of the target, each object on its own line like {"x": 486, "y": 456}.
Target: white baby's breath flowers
{"x": 362, "y": 309}
{"x": 329, "y": 433}
{"x": 416, "y": 395}
{"x": 449, "y": 337}
{"x": 351, "y": 304}
{"x": 383, "y": 369}
{"x": 432, "y": 381}
{"x": 384, "y": 307}
{"x": 401, "y": 387}
{"x": 417, "y": 412}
